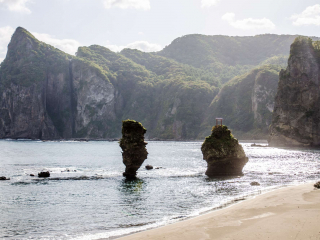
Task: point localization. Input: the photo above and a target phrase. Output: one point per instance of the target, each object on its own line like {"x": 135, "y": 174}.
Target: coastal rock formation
{"x": 44, "y": 174}
{"x": 223, "y": 153}
{"x": 4, "y": 178}
{"x": 48, "y": 94}
{"x": 133, "y": 146}
{"x": 149, "y": 167}
{"x": 296, "y": 115}
{"x": 255, "y": 184}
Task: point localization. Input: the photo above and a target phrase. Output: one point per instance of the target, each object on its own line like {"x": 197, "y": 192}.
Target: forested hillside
{"x": 175, "y": 93}
{"x": 246, "y": 102}
{"x": 226, "y": 57}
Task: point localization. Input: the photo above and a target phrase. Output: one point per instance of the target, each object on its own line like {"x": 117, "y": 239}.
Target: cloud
{"x": 248, "y": 23}
{"x": 16, "y": 5}
{"x": 5, "y": 36}
{"x": 143, "y": 46}
{"x": 208, "y": 3}
{"x": 138, "y": 4}
{"x": 67, "y": 45}
{"x": 310, "y": 16}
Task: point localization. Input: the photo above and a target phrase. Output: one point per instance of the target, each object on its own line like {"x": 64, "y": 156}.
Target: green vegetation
{"x": 226, "y": 57}
{"x": 176, "y": 93}
{"x": 221, "y": 144}
{"x": 28, "y": 60}
{"x": 236, "y": 100}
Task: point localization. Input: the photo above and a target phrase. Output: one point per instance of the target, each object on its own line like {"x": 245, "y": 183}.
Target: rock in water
{"x": 149, "y": 167}
{"x": 255, "y": 184}
{"x": 223, "y": 153}
{"x": 296, "y": 114}
{"x": 133, "y": 146}
{"x": 44, "y": 174}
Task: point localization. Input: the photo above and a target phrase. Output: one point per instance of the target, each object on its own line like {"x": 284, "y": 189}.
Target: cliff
{"x": 295, "y": 119}
{"x": 246, "y": 103}
{"x": 48, "y": 94}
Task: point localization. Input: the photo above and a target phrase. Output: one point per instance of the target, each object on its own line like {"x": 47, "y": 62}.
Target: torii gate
{"x": 217, "y": 121}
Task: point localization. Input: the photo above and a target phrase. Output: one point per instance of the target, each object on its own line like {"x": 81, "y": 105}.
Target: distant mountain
{"x": 225, "y": 56}
{"x": 175, "y": 93}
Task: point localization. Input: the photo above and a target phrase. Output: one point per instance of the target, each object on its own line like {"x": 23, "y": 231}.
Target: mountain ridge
{"x": 48, "y": 94}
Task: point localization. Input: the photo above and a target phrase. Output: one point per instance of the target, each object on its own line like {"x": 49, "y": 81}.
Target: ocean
{"x": 87, "y": 197}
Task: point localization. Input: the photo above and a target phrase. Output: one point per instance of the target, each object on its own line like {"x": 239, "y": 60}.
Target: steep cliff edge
{"x": 32, "y": 79}
{"x": 296, "y": 115}
{"x": 48, "y": 94}
{"x": 246, "y": 103}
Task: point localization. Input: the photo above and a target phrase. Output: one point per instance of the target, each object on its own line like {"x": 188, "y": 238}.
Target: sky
{"x": 150, "y": 25}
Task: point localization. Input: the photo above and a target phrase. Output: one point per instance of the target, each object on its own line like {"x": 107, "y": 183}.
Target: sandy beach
{"x": 287, "y": 213}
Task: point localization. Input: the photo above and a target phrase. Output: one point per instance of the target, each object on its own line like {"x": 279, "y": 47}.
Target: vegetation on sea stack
{"x": 223, "y": 153}
{"x": 220, "y": 144}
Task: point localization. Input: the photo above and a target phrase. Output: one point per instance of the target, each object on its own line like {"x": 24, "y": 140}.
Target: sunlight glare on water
{"x": 87, "y": 197}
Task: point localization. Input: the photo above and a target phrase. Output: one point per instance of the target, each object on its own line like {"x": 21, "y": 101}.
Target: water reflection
{"x": 132, "y": 185}
{"x": 221, "y": 178}
{"x": 133, "y": 201}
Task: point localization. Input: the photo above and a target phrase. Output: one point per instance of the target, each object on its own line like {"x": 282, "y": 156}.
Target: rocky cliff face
{"x": 33, "y": 99}
{"x": 94, "y": 102}
{"x": 47, "y": 94}
{"x": 246, "y": 103}
{"x": 295, "y": 120}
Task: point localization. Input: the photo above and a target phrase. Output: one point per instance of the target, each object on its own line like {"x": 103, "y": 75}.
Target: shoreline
{"x": 118, "y": 139}
{"x": 290, "y": 212}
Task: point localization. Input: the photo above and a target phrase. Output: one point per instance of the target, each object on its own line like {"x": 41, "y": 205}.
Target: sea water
{"x": 87, "y": 197}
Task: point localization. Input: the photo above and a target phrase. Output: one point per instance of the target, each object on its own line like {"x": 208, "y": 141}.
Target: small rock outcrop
{"x": 255, "y": 184}
{"x": 133, "y": 146}
{"x": 317, "y": 185}
{"x": 4, "y": 178}
{"x": 295, "y": 119}
{"x": 223, "y": 153}
{"x": 149, "y": 167}
{"x": 44, "y": 174}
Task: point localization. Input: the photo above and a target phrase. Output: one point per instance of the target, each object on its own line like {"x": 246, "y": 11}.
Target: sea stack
{"x": 223, "y": 153}
{"x": 133, "y": 146}
{"x": 296, "y": 114}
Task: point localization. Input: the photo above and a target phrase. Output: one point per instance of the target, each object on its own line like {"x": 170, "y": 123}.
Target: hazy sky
{"x": 150, "y": 25}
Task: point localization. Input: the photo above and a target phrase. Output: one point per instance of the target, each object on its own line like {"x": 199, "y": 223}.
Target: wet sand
{"x": 287, "y": 213}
